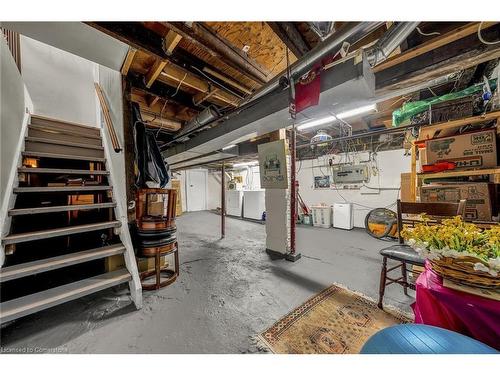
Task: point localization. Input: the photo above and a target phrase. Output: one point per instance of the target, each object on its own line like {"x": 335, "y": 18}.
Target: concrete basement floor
{"x": 228, "y": 291}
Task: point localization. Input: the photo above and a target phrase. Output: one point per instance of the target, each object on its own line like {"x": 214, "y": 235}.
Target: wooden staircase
{"x": 53, "y": 239}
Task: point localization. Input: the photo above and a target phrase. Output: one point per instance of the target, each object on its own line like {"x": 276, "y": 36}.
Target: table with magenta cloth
{"x": 469, "y": 314}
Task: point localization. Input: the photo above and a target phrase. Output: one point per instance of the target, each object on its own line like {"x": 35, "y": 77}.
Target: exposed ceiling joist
{"x": 160, "y": 107}
{"x": 162, "y": 90}
{"x": 212, "y": 43}
{"x": 149, "y": 42}
{"x": 154, "y": 72}
{"x": 289, "y": 35}
{"x": 228, "y": 80}
{"x": 450, "y": 58}
{"x": 155, "y": 121}
{"x": 171, "y": 41}
{"x": 439, "y": 41}
{"x": 182, "y": 79}
{"x": 128, "y": 60}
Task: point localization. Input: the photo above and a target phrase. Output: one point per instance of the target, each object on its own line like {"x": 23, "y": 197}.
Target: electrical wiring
{"x": 427, "y": 34}
{"x": 179, "y": 85}
{"x": 480, "y": 37}
{"x": 161, "y": 114}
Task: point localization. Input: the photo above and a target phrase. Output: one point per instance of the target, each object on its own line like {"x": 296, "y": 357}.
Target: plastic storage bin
{"x": 322, "y": 216}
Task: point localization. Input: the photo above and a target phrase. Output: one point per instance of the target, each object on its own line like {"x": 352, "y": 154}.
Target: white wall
{"x": 251, "y": 181}
{"x": 382, "y": 191}
{"x": 61, "y": 84}
{"x": 214, "y": 190}
{"x": 12, "y": 112}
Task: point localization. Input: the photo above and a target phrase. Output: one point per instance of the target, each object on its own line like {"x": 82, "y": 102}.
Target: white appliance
{"x": 322, "y": 216}
{"x": 234, "y": 202}
{"x": 254, "y": 204}
{"x": 343, "y": 216}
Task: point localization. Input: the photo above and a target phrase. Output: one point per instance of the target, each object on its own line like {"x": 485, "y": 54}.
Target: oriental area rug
{"x": 335, "y": 321}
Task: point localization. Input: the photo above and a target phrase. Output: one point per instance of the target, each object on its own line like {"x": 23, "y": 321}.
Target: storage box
{"x": 470, "y": 150}
{"x": 479, "y": 197}
{"x": 406, "y": 187}
{"x": 322, "y": 216}
{"x": 176, "y": 184}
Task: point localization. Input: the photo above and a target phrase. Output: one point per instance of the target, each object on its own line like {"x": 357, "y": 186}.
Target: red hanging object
{"x": 307, "y": 90}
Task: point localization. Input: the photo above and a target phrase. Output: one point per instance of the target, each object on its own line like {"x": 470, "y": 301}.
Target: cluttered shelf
{"x": 448, "y": 127}
{"x": 462, "y": 173}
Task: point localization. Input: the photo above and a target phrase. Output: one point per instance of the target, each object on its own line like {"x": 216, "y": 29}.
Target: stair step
{"x": 57, "y": 232}
{"x": 71, "y": 207}
{"x": 64, "y": 143}
{"x": 36, "y": 154}
{"x": 32, "y": 303}
{"x": 65, "y": 130}
{"x": 49, "y": 264}
{"x": 38, "y": 131}
{"x": 65, "y": 125}
{"x": 48, "y": 189}
{"x": 61, "y": 171}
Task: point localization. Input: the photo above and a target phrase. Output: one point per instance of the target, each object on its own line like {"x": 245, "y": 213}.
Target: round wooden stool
{"x": 155, "y": 223}
{"x": 156, "y": 249}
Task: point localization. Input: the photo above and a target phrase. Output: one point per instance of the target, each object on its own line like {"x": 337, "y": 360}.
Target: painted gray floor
{"x": 229, "y": 290}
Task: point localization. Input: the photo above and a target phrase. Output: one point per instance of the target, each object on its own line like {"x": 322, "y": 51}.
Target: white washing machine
{"x": 254, "y": 204}
{"x": 234, "y": 202}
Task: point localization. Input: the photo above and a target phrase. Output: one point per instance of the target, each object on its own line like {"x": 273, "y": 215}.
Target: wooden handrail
{"x": 107, "y": 118}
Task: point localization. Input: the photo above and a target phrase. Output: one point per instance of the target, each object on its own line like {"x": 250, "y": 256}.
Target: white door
{"x": 196, "y": 189}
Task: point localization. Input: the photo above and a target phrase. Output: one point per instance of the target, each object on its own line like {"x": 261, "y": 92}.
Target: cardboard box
{"x": 470, "y": 150}
{"x": 176, "y": 184}
{"x": 478, "y": 196}
{"x": 406, "y": 187}
{"x": 156, "y": 205}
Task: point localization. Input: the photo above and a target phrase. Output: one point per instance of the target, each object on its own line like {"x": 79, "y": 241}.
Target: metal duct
{"x": 350, "y": 33}
{"x": 390, "y": 41}
{"x": 204, "y": 117}
{"x": 322, "y": 29}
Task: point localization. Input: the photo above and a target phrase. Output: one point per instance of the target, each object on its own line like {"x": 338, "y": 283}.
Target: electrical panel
{"x": 350, "y": 174}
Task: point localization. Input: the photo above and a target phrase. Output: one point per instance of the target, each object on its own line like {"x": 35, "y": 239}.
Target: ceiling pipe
{"x": 204, "y": 117}
{"x": 391, "y": 40}
{"x": 322, "y": 29}
{"x": 351, "y": 33}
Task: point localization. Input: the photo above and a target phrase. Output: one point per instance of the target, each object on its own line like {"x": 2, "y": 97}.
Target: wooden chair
{"x": 404, "y": 254}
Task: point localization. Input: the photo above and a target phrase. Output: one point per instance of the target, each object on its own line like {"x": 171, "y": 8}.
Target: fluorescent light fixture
{"x": 246, "y": 164}
{"x": 228, "y": 147}
{"x": 317, "y": 122}
{"x": 342, "y": 115}
{"x": 357, "y": 111}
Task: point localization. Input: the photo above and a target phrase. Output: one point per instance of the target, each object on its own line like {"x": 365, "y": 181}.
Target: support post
{"x": 293, "y": 256}
{"x": 223, "y": 201}
{"x": 413, "y": 181}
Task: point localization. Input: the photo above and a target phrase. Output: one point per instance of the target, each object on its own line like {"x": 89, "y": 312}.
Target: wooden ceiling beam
{"x": 439, "y": 41}
{"x": 154, "y": 72}
{"x": 155, "y": 121}
{"x": 288, "y": 34}
{"x": 160, "y": 106}
{"x": 171, "y": 41}
{"x": 228, "y": 80}
{"x": 128, "y": 60}
{"x": 205, "y": 38}
{"x": 183, "y": 79}
{"x": 450, "y": 58}
{"x": 136, "y": 35}
{"x": 163, "y": 91}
